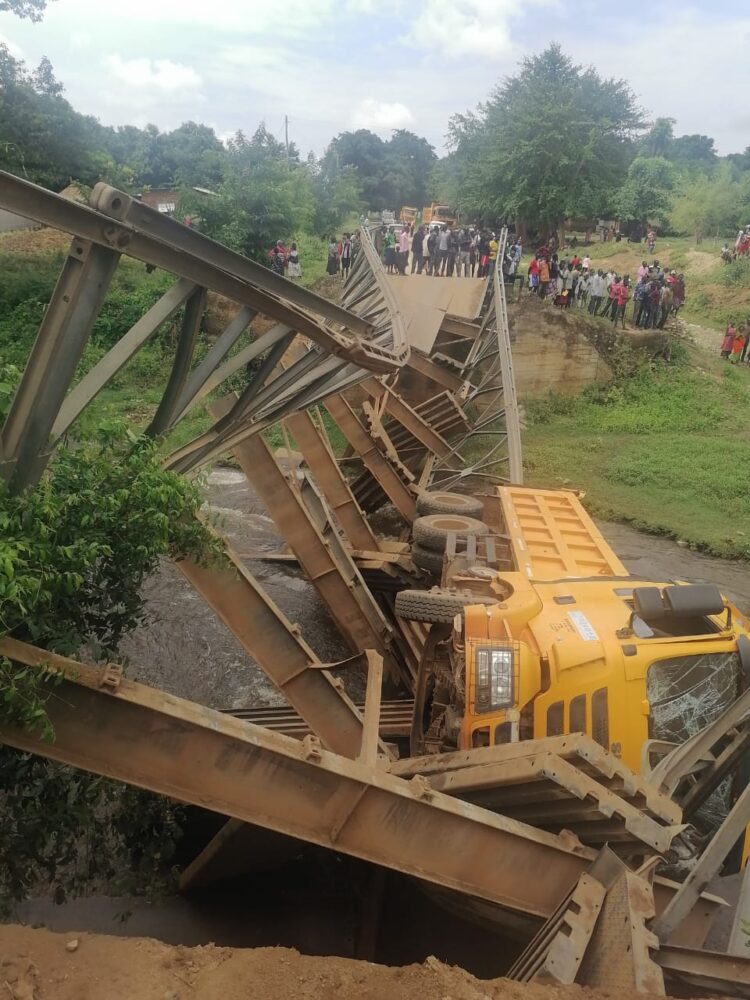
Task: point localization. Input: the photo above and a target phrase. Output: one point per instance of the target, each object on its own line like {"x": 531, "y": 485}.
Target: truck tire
{"x": 431, "y": 531}
{"x": 443, "y": 502}
{"x": 427, "y": 560}
{"x": 435, "y": 606}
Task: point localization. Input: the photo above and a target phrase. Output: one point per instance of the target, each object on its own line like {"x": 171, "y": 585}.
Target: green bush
{"x": 27, "y": 278}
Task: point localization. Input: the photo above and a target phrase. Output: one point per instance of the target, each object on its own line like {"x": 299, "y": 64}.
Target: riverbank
{"x": 664, "y": 447}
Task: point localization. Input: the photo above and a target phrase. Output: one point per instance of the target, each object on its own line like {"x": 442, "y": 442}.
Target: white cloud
{"x": 79, "y": 40}
{"x": 468, "y": 27}
{"x": 252, "y": 16}
{"x": 380, "y": 115}
{"x": 156, "y": 75}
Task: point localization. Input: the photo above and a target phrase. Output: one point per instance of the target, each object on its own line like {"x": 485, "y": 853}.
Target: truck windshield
{"x": 685, "y": 693}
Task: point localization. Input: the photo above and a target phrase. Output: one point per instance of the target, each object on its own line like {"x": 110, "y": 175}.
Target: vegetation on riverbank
{"x": 665, "y": 448}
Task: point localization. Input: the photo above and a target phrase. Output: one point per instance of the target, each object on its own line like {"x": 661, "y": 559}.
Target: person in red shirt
{"x": 622, "y": 296}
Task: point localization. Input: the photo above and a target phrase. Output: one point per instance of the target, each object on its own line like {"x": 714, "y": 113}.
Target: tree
{"x": 646, "y": 194}
{"x": 366, "y": 152}
{"x": 43, "y": 80}
{"x": 694, "y": 151}
{"x": 709, "y": 205}
{"x": 659, "y": 138}
{"x": 552, "y": 142}
{"x": 32, "y": 9}
{"x": 409, "y": 161}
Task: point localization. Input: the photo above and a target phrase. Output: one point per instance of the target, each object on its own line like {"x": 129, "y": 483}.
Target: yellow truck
{"x": 439, "y": 214}
{"x": 557, "y": 637}
{"x": 408, "y": 214}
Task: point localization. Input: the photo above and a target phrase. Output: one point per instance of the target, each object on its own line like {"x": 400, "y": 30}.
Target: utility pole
{"x": 286, "y": 138}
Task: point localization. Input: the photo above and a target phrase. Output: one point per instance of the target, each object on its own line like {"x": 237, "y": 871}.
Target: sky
{"x": 333, "y": 65}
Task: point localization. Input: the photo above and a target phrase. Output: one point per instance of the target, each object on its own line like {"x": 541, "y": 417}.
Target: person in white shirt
{"x": 583, "y": 288}
{"x": 598, "y": 288}
{"x": 586, "y": 263}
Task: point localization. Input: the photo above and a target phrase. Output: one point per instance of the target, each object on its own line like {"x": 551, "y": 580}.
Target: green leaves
{"x": 553, "y": 141}
{"x": 76, "y": 549}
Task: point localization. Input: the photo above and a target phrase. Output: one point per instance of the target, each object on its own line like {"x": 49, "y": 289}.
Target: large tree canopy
{"x": 553, "y": 141}
{"x": 392, "y": 173}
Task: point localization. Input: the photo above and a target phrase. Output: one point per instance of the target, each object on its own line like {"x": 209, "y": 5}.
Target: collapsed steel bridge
{"x": 479, "y": 826}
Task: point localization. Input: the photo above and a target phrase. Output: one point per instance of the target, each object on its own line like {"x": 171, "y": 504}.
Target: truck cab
{"x": 566, "y": 641}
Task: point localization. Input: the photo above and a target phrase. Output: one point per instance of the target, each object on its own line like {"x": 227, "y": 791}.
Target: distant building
{"x": 164, "y": 200}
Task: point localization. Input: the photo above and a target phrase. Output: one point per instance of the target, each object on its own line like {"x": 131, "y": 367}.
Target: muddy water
{"x": 661, "y": 559}
{"x": 185, "y": 648}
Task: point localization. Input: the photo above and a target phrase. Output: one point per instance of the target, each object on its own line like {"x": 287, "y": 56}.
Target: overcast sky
{"x": 333, "y": 65}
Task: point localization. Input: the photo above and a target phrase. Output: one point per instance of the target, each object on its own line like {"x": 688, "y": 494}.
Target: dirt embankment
{"x": 39, "y": 965}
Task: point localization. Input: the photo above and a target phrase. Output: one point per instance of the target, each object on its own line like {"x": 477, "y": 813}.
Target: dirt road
{"x": 38, "y": 965}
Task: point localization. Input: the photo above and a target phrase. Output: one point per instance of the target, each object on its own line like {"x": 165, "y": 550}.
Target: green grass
{"x": 667, "y": 450}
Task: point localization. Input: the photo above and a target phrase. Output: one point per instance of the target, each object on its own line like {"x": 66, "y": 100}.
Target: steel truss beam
{"x": 346, "y": 345}
{"x": 196, "y": 755}
{"x": 329, "y": 567}
{"x": 495, "y": 430}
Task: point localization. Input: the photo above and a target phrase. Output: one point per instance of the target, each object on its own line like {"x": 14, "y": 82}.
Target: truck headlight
{"x": 493, "y": 679}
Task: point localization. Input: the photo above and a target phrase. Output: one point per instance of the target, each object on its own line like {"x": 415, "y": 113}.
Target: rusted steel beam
{"x": 458, "y": 327}
{"x": 118, "y": 356}
{"x": 124, "y": 208}
{"x": 195, "y": 386}
{"x": 57, "y": 350}
{"x": 619, "y": 954}
{"x": 710, "y": 973}
{"x": 415, "y": 424}
{"x": 327, "y": 474}
{"x": 209, "y": 271}
{"x": 271, "y": 639}
{"x": 441, "y": 376}
{"x": 183, "y": 357}
{"x": 377, "y": 464}
{"x": 510, "y": 403}
{"x": 196, "y": 755}
{"x": 337, "y": 580}
{"x": 705, "y": 869}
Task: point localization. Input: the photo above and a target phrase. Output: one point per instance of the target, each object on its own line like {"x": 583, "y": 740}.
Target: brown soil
{"x": 34, "y": 241}
{"x": 37, "y": 965}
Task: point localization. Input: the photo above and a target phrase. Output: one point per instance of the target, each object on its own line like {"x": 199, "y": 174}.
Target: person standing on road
{"x": 492, "y": 263}
{"x": 295, "y": 271}
{"x": 747, "y": 341}
{"x": 596, "y": 293}
{"x": 623, "y": 294}
{"x": 544, "y": 277}
{"x": 740, "y": 342}
{"x": 345, "y": 255}
{"x": 452, "y": 252}
{"x": 666, "y": 298}
{"x": 379, "y": 241}
{"x": 583, "y": 288}
{"x": 432, "y": 255}
{"x": 442, "y": 252}
{"x": 390, "y": 251}
{"x": 464, "y": 253}
{"x": 403, "y": 251}
{"x": 417, "y": 256}
{"x": 332, "y": 267}
{"x": 727, "y": 343}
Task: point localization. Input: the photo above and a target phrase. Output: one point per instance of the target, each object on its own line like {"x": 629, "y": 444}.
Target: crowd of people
{"x": 285, "y": 262}
{"x": 656, "y": 294}
{"x": 438, "y": 250}
{"x": 567, "y": 278}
